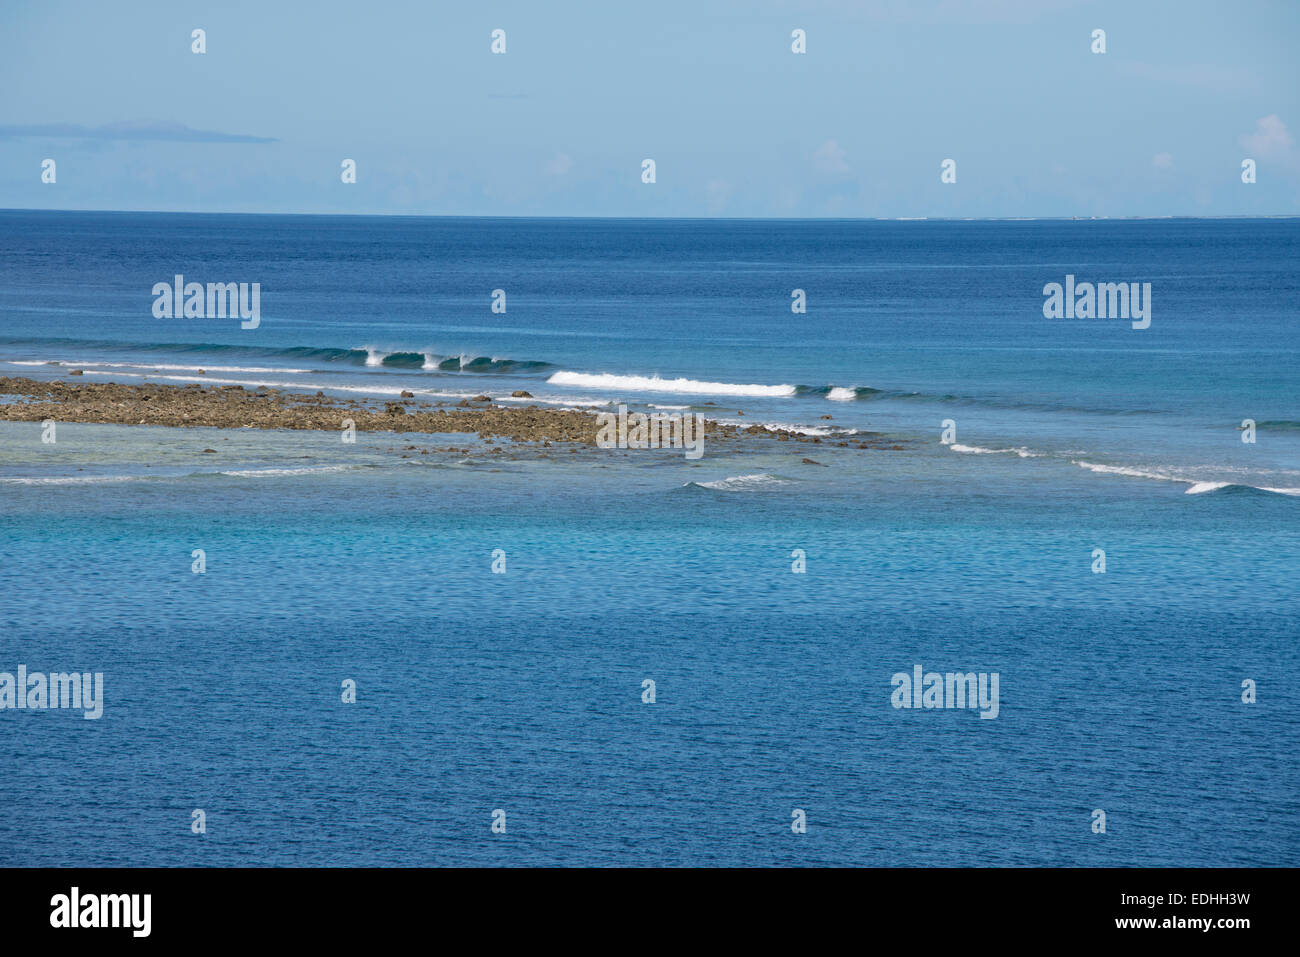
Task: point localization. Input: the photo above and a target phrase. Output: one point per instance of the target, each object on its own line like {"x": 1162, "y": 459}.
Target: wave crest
{"x": 743, "y": 483}
{"x": 639, "y": 383}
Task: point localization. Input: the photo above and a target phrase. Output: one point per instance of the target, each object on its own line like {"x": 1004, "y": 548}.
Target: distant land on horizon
{"x": 787, "y": 219}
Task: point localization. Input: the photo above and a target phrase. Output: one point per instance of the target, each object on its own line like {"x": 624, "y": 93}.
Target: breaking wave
{"x": 743, "y": 483}
{"x": 1194, "y": 486}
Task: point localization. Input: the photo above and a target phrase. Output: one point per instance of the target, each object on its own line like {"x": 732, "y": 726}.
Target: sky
{"x": 737, "y": 124}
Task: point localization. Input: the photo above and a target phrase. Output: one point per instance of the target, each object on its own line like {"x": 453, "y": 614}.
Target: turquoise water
{"x": 522, "y": 691}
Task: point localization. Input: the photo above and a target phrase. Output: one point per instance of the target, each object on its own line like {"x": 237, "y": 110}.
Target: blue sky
{"x": 737, "y": 124}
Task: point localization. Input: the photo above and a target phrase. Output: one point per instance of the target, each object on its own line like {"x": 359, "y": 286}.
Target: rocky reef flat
{"x": 236, "y": 407}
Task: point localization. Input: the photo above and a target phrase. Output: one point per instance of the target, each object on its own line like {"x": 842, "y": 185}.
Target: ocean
{"x": 1025, "y": 445}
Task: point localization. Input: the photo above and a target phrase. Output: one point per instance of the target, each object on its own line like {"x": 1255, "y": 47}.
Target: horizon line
{"x": 829, "y": 219}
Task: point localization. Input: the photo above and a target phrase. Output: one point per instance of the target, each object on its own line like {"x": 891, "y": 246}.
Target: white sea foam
{"x": 816, "y": 430}
{"x": 638, "y": 383}
{"x": 797, "y": 429}
{"x": 743, "y": 483}
{"x": 73, "y": 479}
{"x": 1131, "y": 472}
{"x": 563, "y": 401}
{"x": 1024, "y": 453}
{"x": 278, "y": 472}
{"x": 1194, "y": 486}
{"x": 841, "y": 394}
{"x": 1199, "y": 487}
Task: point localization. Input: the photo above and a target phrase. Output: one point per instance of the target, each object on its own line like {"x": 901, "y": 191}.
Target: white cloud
{"x": 1272, "y": 142}
{"x": 1163, "y": 161}
{"x": 716, "y": 194}
{"x": 560, "y": 165}
{"x": 1270, "y": 138}
{"x": 830, "y": 158}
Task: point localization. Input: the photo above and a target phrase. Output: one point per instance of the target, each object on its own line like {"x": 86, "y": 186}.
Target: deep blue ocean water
{"x": 522, "y": 691}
